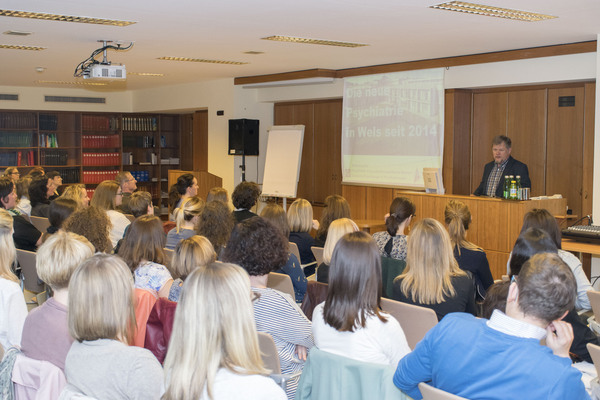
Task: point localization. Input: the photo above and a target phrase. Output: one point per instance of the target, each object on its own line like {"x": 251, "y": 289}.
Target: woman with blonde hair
{"x": 432, "y": 277}
{"x": 100, "y": 363}
{"x": 143, "y": 252}
{"x": 275, "y": 214}
{"x": 393, "y": 242}
{"x": 300, "y": 220}
{"x": 469, "y": 256}
{"x": 350, "y": 323}
{"x": 214, "y": 352}
{"x": 108, "y": 196}
{"x": 191, "y": 253}
{"x": 337, "y": 229}
{"x": 186, "y": 218}
{"x": 336, "y": 207}
{"x": 13, "y": 310}
{"x": 12, "y": 173}
{"x": 78, "y": 193}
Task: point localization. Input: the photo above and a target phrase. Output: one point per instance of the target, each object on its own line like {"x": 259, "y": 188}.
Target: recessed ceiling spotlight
{"x": 202, "y": 60}
{"x": 40, "y": 69}
{"x": 65, "y": 18}
{"x": 254, "y": 53}
{"x": 17, "y": 33}
{"x": 491, "y": 11}
{"x": 313, "y": 41}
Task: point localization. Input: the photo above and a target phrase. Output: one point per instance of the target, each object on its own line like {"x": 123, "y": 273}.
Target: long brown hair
{"x": 145, "y": 240}
{"x": 336, "y": 207}
{"x": 354, "y": 291}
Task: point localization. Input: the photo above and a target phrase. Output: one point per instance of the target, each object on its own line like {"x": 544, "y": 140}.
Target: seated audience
{"x": 191, "y": 253}
{"x": 274, "y": 213}
{"x": 258, "y": 247}
{"x": 244, "y": 197}
{"x": 12, "y": 303}
{"x": 128, "y": 185}
{"x": 350, "y": 323}
{"x": 60, "y": 210}
{"x": 143, "y": 252}
{"x": 25, "y": 235}
{"x": 225, "y": 361}
{"x": 185, "y": 187}
{"x": 541, "y": 218}
{"x": 23, "y": 203}
{"x": 100, "y": 363}
{"x": 502, "y": 358}
{"x": 38, "y": 196}
{"x": 300, "y": 220}
{"x": 93, "y": 224}
{"x": 140, "y": 203}
{"x": 186, "y": 218}
{"x": 469, "y": 256}
{"x": 336, "y": 207}
{"x": 12, "y": 173}
{"x": 78, "y": 193}
{"x": 54, "y": 182}
{"x": 218, "y": 194}
{"x": 337, "y": 229}
{"x": 46, "y": 331}
{"x": 393, "y": 242}
{"x": 432, "y": 277}
{"x": 108, "y": 197}
{"x": 215, "y": 223}
{"x": 36, "y": 172}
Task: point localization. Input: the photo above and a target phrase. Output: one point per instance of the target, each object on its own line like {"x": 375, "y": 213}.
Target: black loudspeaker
{"x": 243, "y": 137}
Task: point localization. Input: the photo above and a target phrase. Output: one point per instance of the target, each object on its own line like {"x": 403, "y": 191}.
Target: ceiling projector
{"x": 105, "y": 71}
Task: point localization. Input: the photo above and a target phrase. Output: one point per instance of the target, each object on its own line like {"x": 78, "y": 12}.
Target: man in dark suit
{"x": 492, "y": 183}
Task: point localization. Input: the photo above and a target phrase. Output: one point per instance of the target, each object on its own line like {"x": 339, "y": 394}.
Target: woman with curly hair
{"x": 185, "y": 187}
{"x": 336, "y": 207}
{"x": 143, "y": 252}
{"x": 108, "y": 196}
{"x": 93, "y": 224}
{"x": 78, "y": 193}
{"x": 244, "y": 197}
{"x": 393, "y": 242}
{"x": 215, "y": 223}
{"x": 258, "y": 247}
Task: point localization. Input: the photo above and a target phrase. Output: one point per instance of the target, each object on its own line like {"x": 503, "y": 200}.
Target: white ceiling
{"x": 396, "y": 31}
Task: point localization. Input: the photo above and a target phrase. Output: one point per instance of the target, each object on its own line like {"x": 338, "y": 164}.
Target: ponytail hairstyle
{"x": 178, "y": 189}
{"x": 457, "y": 218}
{"x": 400, "y": 209}
{"x": 187, "y": 210}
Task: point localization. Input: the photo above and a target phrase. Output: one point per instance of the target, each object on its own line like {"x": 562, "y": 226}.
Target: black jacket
{"x": 513, "y": 167}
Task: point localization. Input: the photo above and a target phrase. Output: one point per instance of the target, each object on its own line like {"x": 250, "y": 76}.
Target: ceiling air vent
{"x": 4, "y": 96}
{"x": 71, "y": 99}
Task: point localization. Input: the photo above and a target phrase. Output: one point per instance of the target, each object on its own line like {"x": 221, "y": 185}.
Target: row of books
{"x": 99, "y": 176}
{"x": 18, "y": 120}
{"x": 140, "y": 124}
{"x": 48, "y": 140}
{"x": 16, "y": 139}
{"x": 18, "y": 158}
{"x": 54, "y": 157}
{"x": 48, "y": 122}
{"x": 69, "y": 175}
{"x": 100, "y": 141}
{"x": 138, "y": 141}
{"x": 141, "y": 176}
{"x": 101, "y": 159}
{"x": 99, "y": 123}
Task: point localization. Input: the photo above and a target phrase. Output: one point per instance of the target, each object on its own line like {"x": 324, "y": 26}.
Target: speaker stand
{"x": 243, "y": 167}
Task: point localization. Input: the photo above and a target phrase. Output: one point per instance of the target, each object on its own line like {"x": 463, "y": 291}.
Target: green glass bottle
{"x": 513, "y": 190}
{"x": 506, "y": 187}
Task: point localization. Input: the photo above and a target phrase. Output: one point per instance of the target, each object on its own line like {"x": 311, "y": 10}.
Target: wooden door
{"x": 327, "y": 149}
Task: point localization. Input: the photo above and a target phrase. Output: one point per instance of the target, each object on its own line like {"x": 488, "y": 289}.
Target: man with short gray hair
{"x": 502, "y": 358}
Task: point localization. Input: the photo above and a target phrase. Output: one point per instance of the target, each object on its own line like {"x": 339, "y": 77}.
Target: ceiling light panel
{"x": 17, "y": 33}
{"x": 65, "y": 18}
{"x": 201, "y": 60}
{"x": 19, "y": 47}
{"x": 292, "y": 39}
{"x": 72, "y": 83}
{"x": 144, "y": 74}
{"x": 491, "y": 11}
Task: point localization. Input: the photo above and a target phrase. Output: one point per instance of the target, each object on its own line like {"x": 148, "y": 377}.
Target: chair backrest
{"x": 294, "y": 250}
{"x": 594, "y": 297}
{"x": 318, "y": 253}
{"x": 130, "y": 217}
{"x": 31, "y": 280}
{"x": 431, "y": 393}
{"x": 390, "y": 269}
{"x": 415, "y": 321}
{"x": 169, "y": 257}
{"x": 144, "y": 301}
{"x": 40, "y": 223}
{"x": 594, "y": 351}
{"x": 168, "y": 225}
{"x": 281, "y": 282}
{"x": 35, "y": 379}
{"x": 269, "y": 353}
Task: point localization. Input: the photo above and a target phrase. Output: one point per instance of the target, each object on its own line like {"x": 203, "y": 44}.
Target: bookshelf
{"x": 91, "y": 147}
